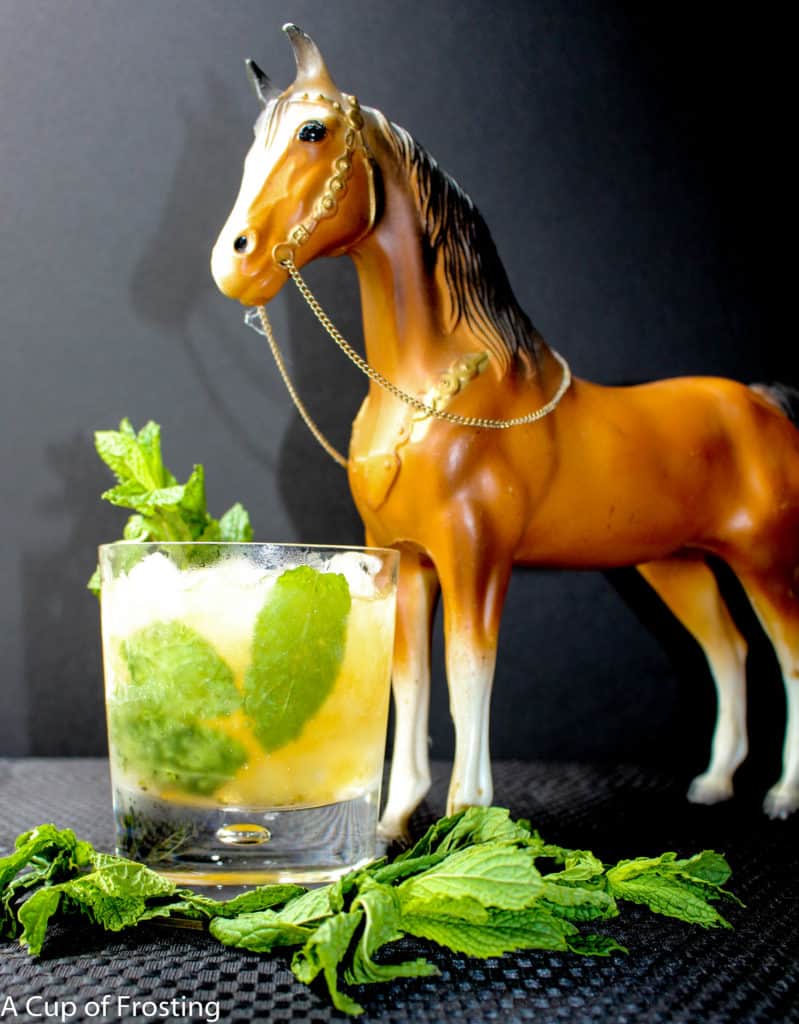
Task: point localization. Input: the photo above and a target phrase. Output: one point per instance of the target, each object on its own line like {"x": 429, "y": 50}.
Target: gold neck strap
{"x": 434, "y": 409}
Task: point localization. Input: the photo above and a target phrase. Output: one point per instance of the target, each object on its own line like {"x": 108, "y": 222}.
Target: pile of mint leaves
{"x": 477, "y": 883}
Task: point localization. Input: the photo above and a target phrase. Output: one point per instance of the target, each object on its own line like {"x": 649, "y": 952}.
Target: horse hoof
{"x": 781, "y": 801}
{"x": 394, "y": 830}
{"x": 705, "y": 789}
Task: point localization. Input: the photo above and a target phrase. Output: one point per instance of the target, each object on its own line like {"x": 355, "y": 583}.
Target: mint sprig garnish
{"x": 164, "y": 510}
{"x": 473, "y": 884}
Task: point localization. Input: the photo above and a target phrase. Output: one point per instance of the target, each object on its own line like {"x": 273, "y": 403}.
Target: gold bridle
{"x": 335, "y": 188}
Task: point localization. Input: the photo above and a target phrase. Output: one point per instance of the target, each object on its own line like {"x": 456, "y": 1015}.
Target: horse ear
{"x": 264, "y": 89}
{"x": 310, "y": 62}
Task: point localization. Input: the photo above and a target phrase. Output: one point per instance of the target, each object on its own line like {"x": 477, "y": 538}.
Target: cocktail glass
{"x": 247, "y": 691}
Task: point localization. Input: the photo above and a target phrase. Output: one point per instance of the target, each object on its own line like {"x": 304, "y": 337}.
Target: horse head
{"x": 308, "y": 187}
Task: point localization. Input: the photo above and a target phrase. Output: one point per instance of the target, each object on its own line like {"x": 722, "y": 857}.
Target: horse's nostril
{"x": 241, "y": 243}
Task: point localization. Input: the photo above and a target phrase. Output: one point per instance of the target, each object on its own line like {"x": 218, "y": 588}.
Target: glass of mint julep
{"x": 247, "y": 690}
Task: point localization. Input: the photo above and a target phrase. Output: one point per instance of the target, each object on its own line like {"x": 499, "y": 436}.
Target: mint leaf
{"x": 172, "y": 666}
{"x": 136, "y": 528}
{"x": 493, "y": 874}
{"x": 628, "y": 869}
{"x": 578, "y": 892}
{"x": 114, "y": 895}
{"x": 432, "y": 838}
{"x": 163, "y": 749}
{"x": 342, "y": 892}
{"x": 575, "y": 903}
{"x": 34, "y": 916}
{"x": 48, "y": 854}
{"x": 176, "y": 676}
{"x": 45, "y": 841}
{"x": 381, "y": 907}
{"x": 323, "y": 953}
{"x": 707, "y": 866}
{"x": 468, "y": 827}
{"x": 594, "y": 945}
{"x": 127, "y": 459}
{"x": 235, "y": 525}
{"x": 132, "y": 494}
{"x": 192, "y": 502}
{"x": 311, "y": 906}
{"x": 261, "y": 898}
{"x": 298, "y": 646}
{"x": 149, "y": 443}
{"x": 259, "y": 932}
{"x": 467, "y": 927}
{"x": 579, "y": 866}
{"x": 667, "y": 896}
{"x": 400, "y": 868}
{"x": 676, "y": 888}
{"x": 481, "y": 825}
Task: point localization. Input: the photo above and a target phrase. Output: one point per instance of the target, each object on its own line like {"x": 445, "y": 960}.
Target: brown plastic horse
{"x": 657, "y": 476}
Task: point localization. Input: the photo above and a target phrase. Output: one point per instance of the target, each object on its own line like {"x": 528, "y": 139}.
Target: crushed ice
{"x": 359, "y": 570}
{"x": 217, "y": 598}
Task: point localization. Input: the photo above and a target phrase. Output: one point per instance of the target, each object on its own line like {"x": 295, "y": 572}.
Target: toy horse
{"x": 474, "y": 449}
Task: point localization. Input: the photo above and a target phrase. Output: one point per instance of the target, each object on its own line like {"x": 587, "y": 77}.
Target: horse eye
{"x": 312, "y": 131}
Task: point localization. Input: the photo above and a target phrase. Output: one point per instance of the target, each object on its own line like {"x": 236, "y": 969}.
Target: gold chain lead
{"x": 384, "y": 382}
{"x": 310, "y": 423}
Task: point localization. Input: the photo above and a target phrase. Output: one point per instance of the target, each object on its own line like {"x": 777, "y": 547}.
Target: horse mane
{"x": 456, "y": 241}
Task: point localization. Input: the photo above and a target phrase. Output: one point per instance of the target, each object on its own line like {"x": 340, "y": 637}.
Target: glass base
{"x": 241, "y": 846}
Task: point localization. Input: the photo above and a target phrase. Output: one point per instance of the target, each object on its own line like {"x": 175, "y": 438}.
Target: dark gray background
{"x": 631, "y": 168}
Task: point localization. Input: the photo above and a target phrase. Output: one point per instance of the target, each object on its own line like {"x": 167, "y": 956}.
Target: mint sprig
{"x": 472, "y": 884}
{"x": 164, "y": 510}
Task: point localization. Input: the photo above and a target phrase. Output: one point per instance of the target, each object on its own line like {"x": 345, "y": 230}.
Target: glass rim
{"x": 360, "y": 548}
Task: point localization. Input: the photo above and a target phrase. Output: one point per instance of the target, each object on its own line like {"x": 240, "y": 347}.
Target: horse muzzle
{"x": 252, "y": 280}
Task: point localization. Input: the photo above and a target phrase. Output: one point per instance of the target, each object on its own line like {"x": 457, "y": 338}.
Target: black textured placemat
{"x": 673, "y": 973}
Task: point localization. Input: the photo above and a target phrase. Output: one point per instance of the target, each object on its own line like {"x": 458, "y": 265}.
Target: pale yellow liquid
{"x": 338, "y": 755}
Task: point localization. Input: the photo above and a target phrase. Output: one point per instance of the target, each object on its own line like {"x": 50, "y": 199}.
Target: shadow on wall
{"x": 172, "y": 277}
{"x": 61, "y": 620}
{"x": 173, "y": 273}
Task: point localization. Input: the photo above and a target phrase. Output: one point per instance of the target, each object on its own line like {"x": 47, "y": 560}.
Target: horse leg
{"x": 689, "y": 589}
{"x": 774, "y": 598}
{"x": 474, "y": 593}
{"x": 410, "y": 766}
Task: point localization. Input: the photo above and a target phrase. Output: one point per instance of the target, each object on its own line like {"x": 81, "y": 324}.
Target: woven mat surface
{"x": 673, "y": 973}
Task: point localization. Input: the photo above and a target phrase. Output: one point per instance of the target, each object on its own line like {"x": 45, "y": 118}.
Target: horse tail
{"x": 785, "y": 398}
